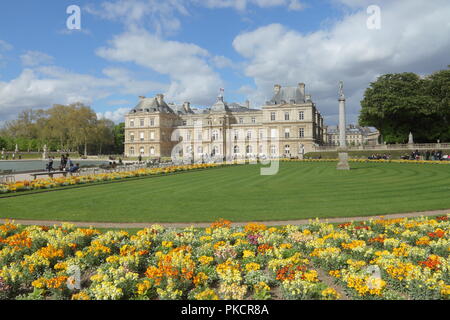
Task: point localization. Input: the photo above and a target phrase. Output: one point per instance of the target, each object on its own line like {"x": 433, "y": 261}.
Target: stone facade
{"x": 355, "y": 136}
{"x": 287, "y": 125}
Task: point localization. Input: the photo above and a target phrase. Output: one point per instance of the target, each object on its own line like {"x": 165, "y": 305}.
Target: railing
{"x": 415, "y": 146}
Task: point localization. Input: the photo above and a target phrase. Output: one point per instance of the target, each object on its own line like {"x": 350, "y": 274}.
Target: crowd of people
{"x": 427, "y": 155}
{"x": 66, "y": 164}
{"x": 380, "y": 157}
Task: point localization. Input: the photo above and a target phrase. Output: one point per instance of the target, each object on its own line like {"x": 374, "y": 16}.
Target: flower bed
{"x": 409, "y": 258}
{"x": 50, "y": 183}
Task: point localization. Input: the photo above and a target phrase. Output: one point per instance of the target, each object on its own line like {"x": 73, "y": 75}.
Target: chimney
{"x": 160, "y": 98}
{"x": 301, "y": 86}
{"x": 247, "y": 104}
{"x": 187, "y": 106}
{"x": 277, "y": 88}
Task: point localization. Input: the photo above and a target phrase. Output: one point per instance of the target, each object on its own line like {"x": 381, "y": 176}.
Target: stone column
{"x": 342, "y": 150}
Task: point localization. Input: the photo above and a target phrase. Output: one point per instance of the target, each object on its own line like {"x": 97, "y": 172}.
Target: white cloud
{"x": 44, "y": 86}
{"x": 413, "y": 37}
{"x": 5, "y": 46}
{"x": 117, "y": 115}
{"x": 241, "y": 5}
{"x": 161, "y": 15}
{"x": 186, "y": 64}
{"x": 34, "y": 58}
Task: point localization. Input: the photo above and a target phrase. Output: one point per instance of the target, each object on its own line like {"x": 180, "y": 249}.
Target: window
{"x": 249, "y": 134}
{"x": 261, "y": 134}
{"x": 286, "y": 116}
{"x": 287, "y": 133}
{"x": 215, "y": 150}
{"x": 141, "y": 150}
{"x": 273, "y": 133}
{"x": 152, "y": 122}
{"x": 248, "y": 149}
{"x": 272, "y": 116}
{"x": 131, "y": 122}
{"x": 287, "y": 149}
{"x": 236, "y": 149}
{"x": 253, "y": 120}
{"x": 273, "y": 150}
{"x": 236, "y": 134}
{"x": 200, "y": 149}
{"x": 241, "y": 120}
{"x": 152, "y": 151}
{"x": 188, "y": 136}
{"x": 184, "y": 122}
{"x": 260, "y": 148}
{"x": 194, "y": 122}
{"x": 301, "y": 115}
{"x": 132, "y": 136}
{"x": 152, "y": 135}
{"x": 141, "y": 122}
{"x": 199, "y": 136}
{"x": 131, "y": 150}
{"x": 215, "y": 135}
{"x": 301, "y": 132}
{"x": 141, "y": 136}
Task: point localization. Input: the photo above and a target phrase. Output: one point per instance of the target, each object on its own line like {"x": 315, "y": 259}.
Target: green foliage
{"x": 119, "y": 138}
{"x": 397, "y": 104}
{"x": 74, "y": 127}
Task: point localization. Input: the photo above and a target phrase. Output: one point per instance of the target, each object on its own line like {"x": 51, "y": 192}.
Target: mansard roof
{"x": 152, "y": 105}
{"x": 285, "y": 95}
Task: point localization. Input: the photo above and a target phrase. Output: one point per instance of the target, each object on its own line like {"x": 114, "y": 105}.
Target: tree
{"x": 119, "y": 138}
{"x": 397, "y": 104}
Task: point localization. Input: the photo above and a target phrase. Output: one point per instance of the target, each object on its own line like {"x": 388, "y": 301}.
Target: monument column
{"x": 342, "y": 150}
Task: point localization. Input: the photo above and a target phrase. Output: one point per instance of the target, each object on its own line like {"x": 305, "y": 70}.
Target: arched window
{"x": 248, "y": 149}
{"x": 142, "y": 150}
{"x": 152, "y": 151}
{"x": 236, "y": 149}
{"x": 273, "y": 150}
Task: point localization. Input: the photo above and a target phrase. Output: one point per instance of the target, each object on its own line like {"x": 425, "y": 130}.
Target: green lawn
{"x": 240, "y": 193}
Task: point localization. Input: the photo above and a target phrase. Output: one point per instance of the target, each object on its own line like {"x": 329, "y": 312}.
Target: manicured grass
{"x": 299, "y": 190}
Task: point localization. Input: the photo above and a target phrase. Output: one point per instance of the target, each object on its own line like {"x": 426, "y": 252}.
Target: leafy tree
{"x": 119, "y": 138}
{"x": 397, "y": 104}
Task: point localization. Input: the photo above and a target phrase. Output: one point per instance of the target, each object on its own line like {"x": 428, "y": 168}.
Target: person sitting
{"x": 74, "y": 168}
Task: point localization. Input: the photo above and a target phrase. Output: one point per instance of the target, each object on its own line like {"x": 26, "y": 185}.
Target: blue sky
{"x": 188, "y": 49}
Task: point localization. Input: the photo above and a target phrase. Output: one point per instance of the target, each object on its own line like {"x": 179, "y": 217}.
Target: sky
{"x": 189, "y": 49}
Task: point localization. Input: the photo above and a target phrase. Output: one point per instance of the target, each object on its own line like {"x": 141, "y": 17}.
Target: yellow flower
{"x": 330, "y": 294}
{"x": 207, "y": 294}
{"x": 248, "y": 254}
{"x": 167, "y": 244}
{"x": 252, "y": 266}
{"x": 80, "y": 296}
{"x": 143, "y": 287}
{"x": 204, "y": 260}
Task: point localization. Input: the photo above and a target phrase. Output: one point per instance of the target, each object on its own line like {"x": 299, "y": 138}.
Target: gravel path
{"x": 132, "y": 225}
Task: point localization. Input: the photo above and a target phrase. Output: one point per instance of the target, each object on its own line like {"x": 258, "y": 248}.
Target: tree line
{"x": 70, "y": 128}
{"x": 400, "y": 103}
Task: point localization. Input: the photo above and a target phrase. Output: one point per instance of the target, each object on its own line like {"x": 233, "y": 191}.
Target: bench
{"x": 50, "y": 174}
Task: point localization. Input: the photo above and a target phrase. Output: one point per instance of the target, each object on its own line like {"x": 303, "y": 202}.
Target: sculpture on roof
{"x": 341, "y": 90}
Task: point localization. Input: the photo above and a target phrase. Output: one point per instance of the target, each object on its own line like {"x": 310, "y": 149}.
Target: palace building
{"x": 288, "y": 125}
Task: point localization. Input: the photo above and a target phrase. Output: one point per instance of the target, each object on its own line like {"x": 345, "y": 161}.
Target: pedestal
{"x": 343, "y": 161}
